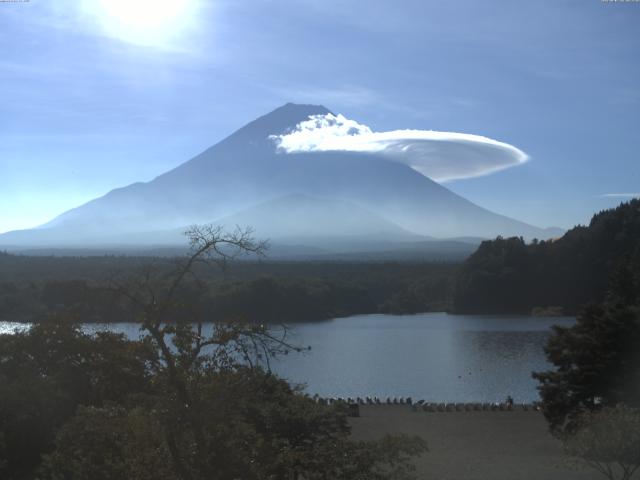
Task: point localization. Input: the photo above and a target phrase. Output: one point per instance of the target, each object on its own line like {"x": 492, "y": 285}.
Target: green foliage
{"x": 597, "y": 360}
{"x": 269, "y": 299}
{"x": 32, "y": 288}
{"x": 597, "y": 363}
{"x": 493, "y": 279}
{"x": 46, "y": 373}
{"x": 107, "y": 443}
{"x": 509, "y": 276}
{"x": 185, "y": 402}
{"x": 92, "y": 407}
{"x": 609, "y": 441}
{"x": 257, "y": 427}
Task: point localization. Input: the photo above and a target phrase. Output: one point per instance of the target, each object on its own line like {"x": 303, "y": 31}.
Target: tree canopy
{"x": 597, "y": 361}
{"x": 187, "y": 401}
{"x": 511, "y": 276}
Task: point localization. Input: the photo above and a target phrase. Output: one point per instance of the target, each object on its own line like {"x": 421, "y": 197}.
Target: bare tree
{"x": 184, "y": 345}
{"x": 608, "y": 441}
{"x": 197, "y": 362}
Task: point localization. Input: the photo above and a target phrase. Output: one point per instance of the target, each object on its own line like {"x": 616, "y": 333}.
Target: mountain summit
{"x": 247, "y": 173}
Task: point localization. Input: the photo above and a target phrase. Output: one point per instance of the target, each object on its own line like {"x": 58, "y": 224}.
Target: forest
{"x": 505, "y": 275}
{"x": 181, "y": 403}
{"x": 176, "y": 404}
{"x": 508, "y": 275}
{"x": 32, "y": 287}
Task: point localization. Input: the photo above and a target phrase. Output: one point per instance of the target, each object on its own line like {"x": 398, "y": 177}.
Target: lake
{"x": 432, "y": 356}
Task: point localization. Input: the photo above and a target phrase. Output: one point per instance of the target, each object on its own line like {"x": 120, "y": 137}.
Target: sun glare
{"x": 153, "y": 22}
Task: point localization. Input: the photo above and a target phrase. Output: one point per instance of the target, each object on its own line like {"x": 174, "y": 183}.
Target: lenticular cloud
{"x": 441, "y": 156}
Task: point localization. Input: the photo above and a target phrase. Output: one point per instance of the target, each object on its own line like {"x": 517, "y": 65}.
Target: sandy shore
{"x": 475, "y": 445}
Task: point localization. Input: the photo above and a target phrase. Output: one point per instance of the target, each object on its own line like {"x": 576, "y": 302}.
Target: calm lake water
{"x": 432, "y": 356}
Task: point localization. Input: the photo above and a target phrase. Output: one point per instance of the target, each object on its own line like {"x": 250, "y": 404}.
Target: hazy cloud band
{"x": 621, "y": 195}
{"x": 441, "y": 156}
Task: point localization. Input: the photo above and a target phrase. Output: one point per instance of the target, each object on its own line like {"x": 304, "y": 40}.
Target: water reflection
{"x": 434, "y": 356}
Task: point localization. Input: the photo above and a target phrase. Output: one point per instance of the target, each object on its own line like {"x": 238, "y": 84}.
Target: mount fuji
{"x": 318, "y": 199}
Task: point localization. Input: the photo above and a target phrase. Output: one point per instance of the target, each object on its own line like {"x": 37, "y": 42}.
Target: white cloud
{"x": 441, "y": 156}
{"x": 620, "y": 195}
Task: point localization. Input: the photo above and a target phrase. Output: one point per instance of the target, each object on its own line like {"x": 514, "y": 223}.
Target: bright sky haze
{"x": 98, "y": 94}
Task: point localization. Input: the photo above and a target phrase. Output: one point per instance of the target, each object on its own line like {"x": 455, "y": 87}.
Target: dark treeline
{"x": 80, "y": 407}
{"x": 178, "y": 404}
{"x": 597, "y": 361}
{"x": 34, "y": 287}
{"x": 591, "y": 395}
{"x": 502, "y": 276}
{"x": 510, "y": 276}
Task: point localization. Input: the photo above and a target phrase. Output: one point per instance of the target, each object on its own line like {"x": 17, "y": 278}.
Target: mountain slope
{"x": 245, "y": 169}
{"x": 301, "y": 217}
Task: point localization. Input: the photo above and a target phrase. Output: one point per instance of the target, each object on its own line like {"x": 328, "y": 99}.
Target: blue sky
{"x": 95, "y": 96}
